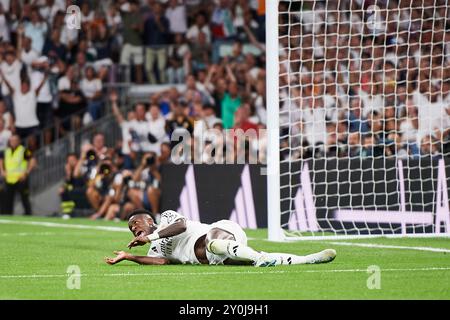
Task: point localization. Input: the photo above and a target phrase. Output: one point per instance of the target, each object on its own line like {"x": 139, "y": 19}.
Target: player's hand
{"x": 120, "y": 256}
{"x": 138, "y": 241}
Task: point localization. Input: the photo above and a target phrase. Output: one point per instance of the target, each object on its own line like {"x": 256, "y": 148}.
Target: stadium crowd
{"x": 52, "y": 74}
{"x": 210, "y": 50}
{"x": 365, "y": 79}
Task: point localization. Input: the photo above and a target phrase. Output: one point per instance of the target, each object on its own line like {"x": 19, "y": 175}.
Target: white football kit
{"x": 180, "y": 249}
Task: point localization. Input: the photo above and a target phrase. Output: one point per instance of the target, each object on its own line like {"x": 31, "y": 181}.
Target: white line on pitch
{"x": 26, "y": 234}
{"x": 76, "y": 226}
{"x": 159, "y": 274}
{"x": 385, "y": 246}
{"x": 64, "y": 225}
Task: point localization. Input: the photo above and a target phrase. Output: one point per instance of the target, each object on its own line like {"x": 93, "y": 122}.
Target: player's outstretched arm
{"x": 125, "y": 256}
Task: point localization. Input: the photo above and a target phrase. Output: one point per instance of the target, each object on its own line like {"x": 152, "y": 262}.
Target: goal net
{"x": 359, "y": 98}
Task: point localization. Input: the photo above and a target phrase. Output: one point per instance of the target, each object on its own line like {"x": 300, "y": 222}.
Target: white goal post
{"x": 358, "y": 102}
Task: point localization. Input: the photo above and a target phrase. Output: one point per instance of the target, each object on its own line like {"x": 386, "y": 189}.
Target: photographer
{"x": 147, "y": 178}
{"x": 121, "y": 205}
{"x": 86, "y": 164}
{"x": 99, "y": 188}
{"x": 73, "y": 188}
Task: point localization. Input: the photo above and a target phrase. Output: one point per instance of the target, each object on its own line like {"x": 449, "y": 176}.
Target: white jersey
{"x": 178, "y": 249}
{"x": 181, "y": 248}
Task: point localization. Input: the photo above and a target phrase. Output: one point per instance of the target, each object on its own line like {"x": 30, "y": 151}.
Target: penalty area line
{"x": 177, "y": 274}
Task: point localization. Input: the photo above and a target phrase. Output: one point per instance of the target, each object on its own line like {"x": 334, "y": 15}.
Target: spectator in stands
{"x": 91, "y": 87}
{"x": 132, "y": 50}
{"x": 429, "y": 146}
{"x": 199, "y": 53}
{"x": 176, "y": 15}
{"x": 200, "y": 26}
{"x": 222, "y": 26}
{"x": 165, "y": 154}
{"x": 6, "y": 116}
{"x": 156, "y": 33}
{"x": 140, "y": 132}
{"x": 11, "y": 69}
{"x": 354, "y": 144}
{"x": 370, "y": 146}
{"x": 53, "y": 48}
{"x": 25, "y": 105}
{"x": 126, "y": 126}
{"x": 36, "y": 29}
{"x": 241, "y": 119}
{"x": 357, "y": 121}
{"x": 40, "y": 74}
{"x": 179, "y": 123}
{"x": 71, "y": 102}
{"x": 157, "y": 133}
{"x": 178, "y": 60}
{"x": 229, "y": 104}
{"x": 5, "y": 134}
{"x": 24, "y": 49}
{"x": 4, "y": 28}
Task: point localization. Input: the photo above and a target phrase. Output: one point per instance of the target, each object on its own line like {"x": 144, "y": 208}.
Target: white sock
{"x": 287, "y": 259}
{"x": 233, "y": 250}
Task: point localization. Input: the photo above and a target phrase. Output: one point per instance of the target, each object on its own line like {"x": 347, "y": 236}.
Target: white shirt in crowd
{"x": 28, "y": 57}
{"x": 408, "y": 131}
{"x": 141, "y": 142}
{"x": 90, "y": 87}
{"x": 371, "y": 103}
{"x": 315, "y": 125}
{"x": 157, "y": 127}
{"x": 4, "y": 138}
{"x": 63, "y": 83}
{"x": 5, "y": 4}
{"x": 4, "y": 29}
{"x": 44, "y": 95}
{"x": 25, "y": 109}
{"x": 194, "y": 31}
{"x": 177, "y": 19}
{"x": 432, "y": 116}
{"x": 12, "y": 74}
{"x": 7, "y": 118}
{"x": 126, "y": 136}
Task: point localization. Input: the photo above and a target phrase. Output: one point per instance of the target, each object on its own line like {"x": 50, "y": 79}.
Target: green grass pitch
{"x": 35, "y": 258}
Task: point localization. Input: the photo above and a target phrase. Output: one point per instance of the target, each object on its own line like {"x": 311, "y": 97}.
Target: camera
{"x": 105, "y": 169}
{"x": 126, "y": 181}
{"x": 91, "y": 156}
{"x": 151, "y": 161}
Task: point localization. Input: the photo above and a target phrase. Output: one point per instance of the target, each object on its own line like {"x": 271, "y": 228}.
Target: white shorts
{"x": 235, "y": 230}
{"x": 129, "y": 51}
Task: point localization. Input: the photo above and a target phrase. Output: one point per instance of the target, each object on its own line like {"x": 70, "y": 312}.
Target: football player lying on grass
{"x": 179, "y": 241}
